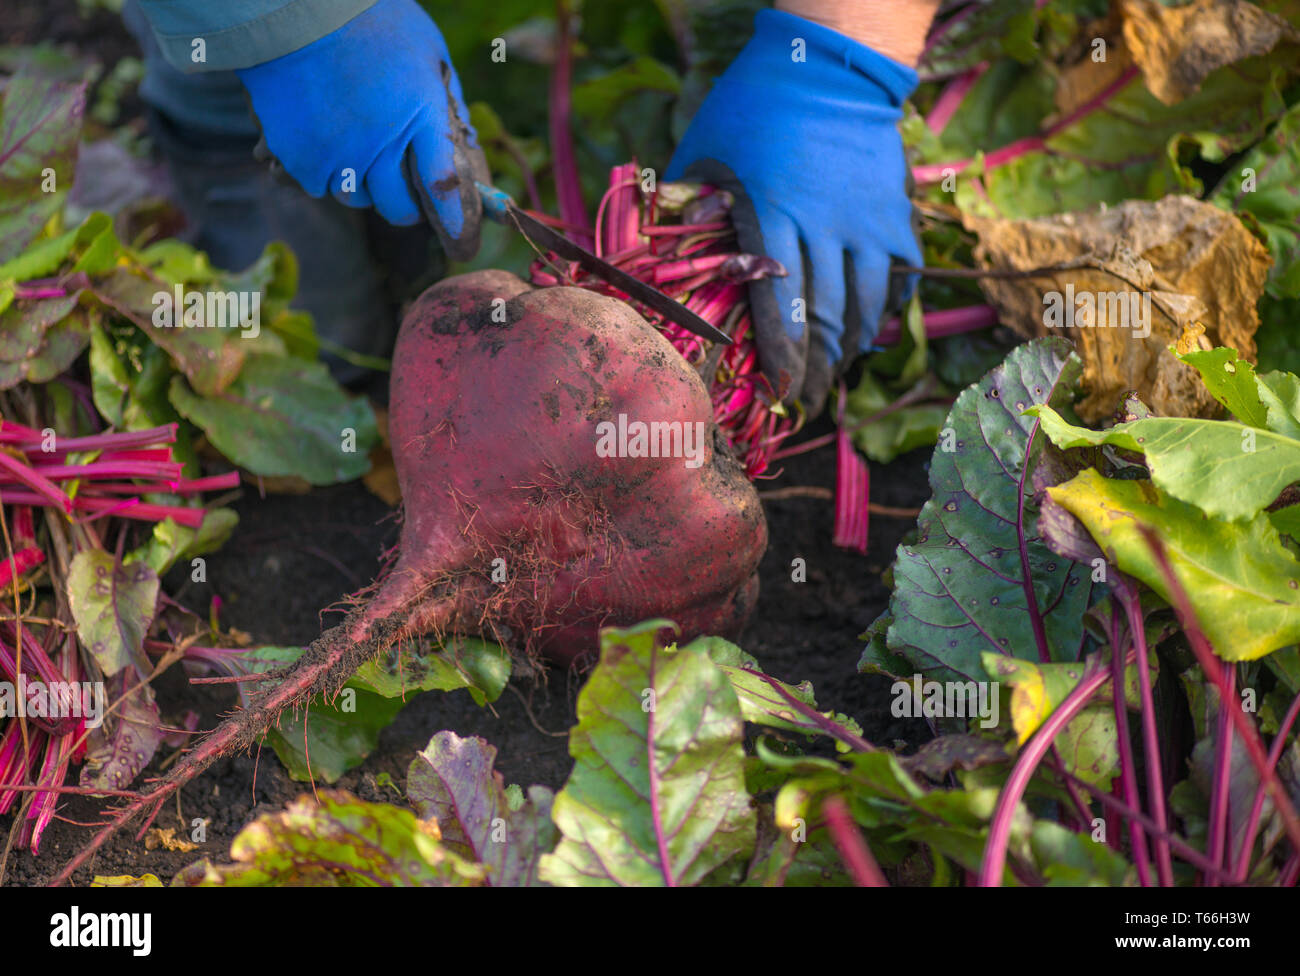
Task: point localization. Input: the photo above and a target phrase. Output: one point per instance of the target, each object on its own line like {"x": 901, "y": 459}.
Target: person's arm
{"x": 895, "y": 28}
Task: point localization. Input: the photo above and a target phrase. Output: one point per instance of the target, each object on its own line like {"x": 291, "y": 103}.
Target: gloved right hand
{"x": 340, "y": 113}
{"x": 802, "y": 128}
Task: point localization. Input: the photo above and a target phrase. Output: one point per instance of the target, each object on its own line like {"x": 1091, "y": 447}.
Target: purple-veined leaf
{"x": 40, "y": 121}
{"x": 979, "y": 576}
{"x": 120, "y": 748}
{"x": 657, "y": 795}
{"x": 453, "y": 780}
{"x": 113, "y": 605}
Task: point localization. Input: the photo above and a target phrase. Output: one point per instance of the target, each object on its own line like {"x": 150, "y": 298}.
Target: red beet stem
{"x": 44, "y": 489}
{"x": 22, "y": 561}
{"x": 152, "y": 470}
{"x": 852, "y": 496}
{"x": 31, "y": 440}
{"x": 145, "y": 512}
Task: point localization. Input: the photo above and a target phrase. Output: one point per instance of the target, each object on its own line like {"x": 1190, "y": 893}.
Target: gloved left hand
{"x": 340, "y": 113}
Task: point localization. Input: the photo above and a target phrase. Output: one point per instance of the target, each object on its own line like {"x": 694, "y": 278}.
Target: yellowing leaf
{"x": 1242, "y": 581}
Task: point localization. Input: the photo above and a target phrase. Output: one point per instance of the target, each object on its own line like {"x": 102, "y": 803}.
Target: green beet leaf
{"x": 960, "y": 588}
{"x": 761, "y": 699}
{"x": 657, "y": 794}
{"x": 1232, "y": 382}
{"x": 899, "y": 432}
{"x": 330, "y": 737}
{"x": 1226, "y": 469}
{"x": 40, "y": 122}
{"x": 210, "y": 358}
{"x": 1268, "y": 400}
{"x": 1075, "y": 860}
{"x": 284, "y": 416}
{"x": 171, "y": 541}
{"x": 1287, "y": 520}
{"x": 1130, "y": 145}
{"x": 1242, "y": 581}
{"x": 1261, "y": 188}
{"x": 984, "y": 31}
{"x": 480, "y": 667}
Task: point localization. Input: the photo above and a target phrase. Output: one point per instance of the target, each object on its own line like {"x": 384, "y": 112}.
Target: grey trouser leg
{"x": 203, "y": 125}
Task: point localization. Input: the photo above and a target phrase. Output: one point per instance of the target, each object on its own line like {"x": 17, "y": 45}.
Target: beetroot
{"x": 515, "y": 527}
{"x": 494, "y": 429}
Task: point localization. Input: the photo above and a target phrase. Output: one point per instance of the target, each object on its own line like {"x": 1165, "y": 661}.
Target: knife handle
{"x": 496, "y": 203}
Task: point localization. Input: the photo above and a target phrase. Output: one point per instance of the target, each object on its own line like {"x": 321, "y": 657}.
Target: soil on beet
{"x": 293, "y": 555}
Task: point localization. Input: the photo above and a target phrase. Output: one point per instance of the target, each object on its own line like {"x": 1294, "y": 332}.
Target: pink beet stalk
{"x": 852, "y": 496}
{"x": 1217, "y": 831}
{"x": 568, "y": 186}
{"x": 152, "y": 470}
{"x": 698, "y": 264}
{"x": 192, "y": 517}
{"x": 22, "y": 561}
{"x": 1257, "y": 808}
{"x": 995, "y": 848}
{"x": 14, "y": 763}
{"x": 942, "y": 323}
{"x": 46, "y": 490}
{"x": 950, "y": 99}
{"x": 33, "y": 441}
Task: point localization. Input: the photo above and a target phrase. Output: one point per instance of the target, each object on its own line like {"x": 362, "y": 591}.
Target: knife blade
{"x": 498, "y": 206}
{"x": 501, "y": 208}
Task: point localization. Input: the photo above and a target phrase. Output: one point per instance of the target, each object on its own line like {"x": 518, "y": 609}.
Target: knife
{"x": 500, "y": 208}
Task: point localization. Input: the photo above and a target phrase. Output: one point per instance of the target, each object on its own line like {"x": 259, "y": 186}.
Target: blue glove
{"x": 810, "y": 149}
{"x": 354, "y": 100}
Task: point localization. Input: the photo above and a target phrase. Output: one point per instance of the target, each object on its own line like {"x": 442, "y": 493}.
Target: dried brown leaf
{"x": 165, "y": 837}
{"x": 1094, "y": 61}
{"x": 1176, "y": 47}
{"x": 1201, "y": 268}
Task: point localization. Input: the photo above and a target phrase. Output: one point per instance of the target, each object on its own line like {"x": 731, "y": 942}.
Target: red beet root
{"x": 500, "y": 396}
{"x": 496, "y": 452}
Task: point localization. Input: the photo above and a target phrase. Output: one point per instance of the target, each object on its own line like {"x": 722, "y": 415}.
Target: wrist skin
{"x": 894, "y": 28}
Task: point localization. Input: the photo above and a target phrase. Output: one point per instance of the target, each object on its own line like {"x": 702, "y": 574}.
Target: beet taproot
{"x": 497, "y": 455}
{"x": 524, "y": 426}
